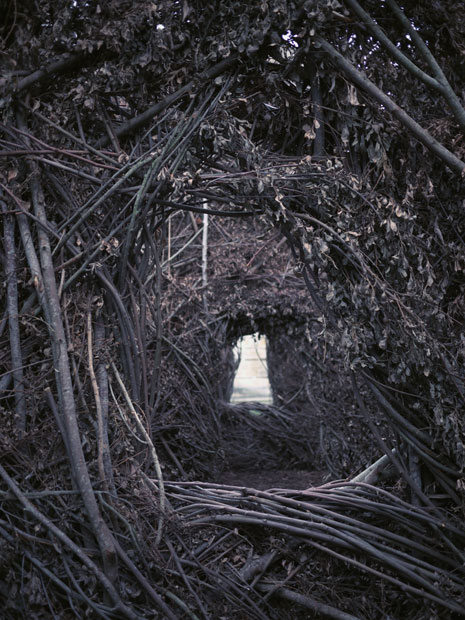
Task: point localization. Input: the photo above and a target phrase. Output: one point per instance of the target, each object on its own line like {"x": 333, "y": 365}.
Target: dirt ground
{"x": 273, "y": 479}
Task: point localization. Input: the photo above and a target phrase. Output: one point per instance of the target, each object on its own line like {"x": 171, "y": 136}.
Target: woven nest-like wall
{"x": 126, "y": 126}
{"x": 309, "y": 379}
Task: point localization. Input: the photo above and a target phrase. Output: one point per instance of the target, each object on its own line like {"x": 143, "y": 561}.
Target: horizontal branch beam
{"x": 54, "y": 68}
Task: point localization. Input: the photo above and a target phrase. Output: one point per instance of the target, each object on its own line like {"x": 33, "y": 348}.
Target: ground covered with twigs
{"x": 330, "y": 540}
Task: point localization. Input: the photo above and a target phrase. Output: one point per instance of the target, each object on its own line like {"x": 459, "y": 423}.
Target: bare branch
{"x": 137, "y": 121}
{"x": 13, "y": 319}
{"x": 65, "y": 540}
{"x": 421, "y": 134}
{"x": 394, "y": 51}
{"x": 153, "y": 452}
{"x": 54, "y": 68}
{"x": 446, "y": 89}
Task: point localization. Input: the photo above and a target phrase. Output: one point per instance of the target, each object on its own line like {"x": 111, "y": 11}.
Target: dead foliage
{"x": 161, "y": 196}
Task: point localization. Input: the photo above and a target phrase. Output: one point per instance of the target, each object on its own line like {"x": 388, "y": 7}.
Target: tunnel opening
{"x": 306, "y": 428}
{"x": 251, "y": 381}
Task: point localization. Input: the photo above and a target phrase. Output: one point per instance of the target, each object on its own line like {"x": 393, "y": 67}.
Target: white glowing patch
{"x": 251, "y": 382}
{"x": 288, "y": 36}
